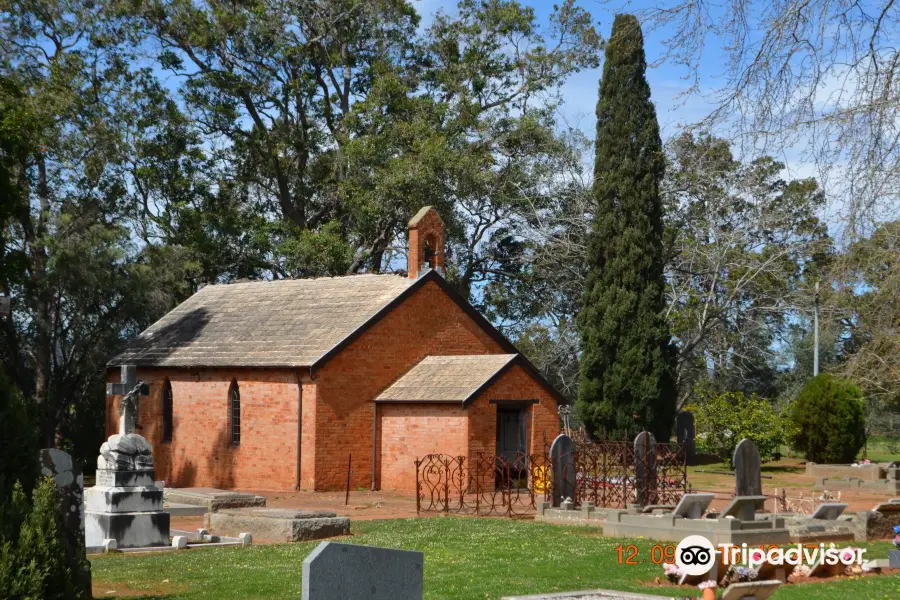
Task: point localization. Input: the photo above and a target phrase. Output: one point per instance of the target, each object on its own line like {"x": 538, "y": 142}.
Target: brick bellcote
{"x": 426, "y": 243}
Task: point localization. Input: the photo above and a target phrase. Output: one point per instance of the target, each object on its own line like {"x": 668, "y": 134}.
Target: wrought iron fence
{"x": 609, "y": 474}
{"x": 486, "y": 485}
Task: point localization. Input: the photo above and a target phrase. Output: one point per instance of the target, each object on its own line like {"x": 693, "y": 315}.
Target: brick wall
{"x": 410, "y": 431}
{"x": 514, "y": 384}
{"x": 338, "y": 411}
{"x": 200, "y": 453}
{"x": 428, "y": 322}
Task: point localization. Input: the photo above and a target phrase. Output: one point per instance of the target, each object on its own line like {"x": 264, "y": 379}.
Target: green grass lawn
{"x": 465, "y": 558}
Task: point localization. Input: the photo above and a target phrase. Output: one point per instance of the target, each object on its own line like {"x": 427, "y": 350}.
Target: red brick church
{"x": 272, "y": 385}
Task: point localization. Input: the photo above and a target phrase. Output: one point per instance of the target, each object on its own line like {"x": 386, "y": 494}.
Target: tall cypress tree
{"x": 627, "y": 361}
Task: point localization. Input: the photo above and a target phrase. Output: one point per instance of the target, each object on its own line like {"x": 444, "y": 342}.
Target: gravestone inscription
{"x": 645, "y": 468}
{"x": 747, "y": 465}
{"x": 562, "y": 460}
{"x": 336, "y": 571}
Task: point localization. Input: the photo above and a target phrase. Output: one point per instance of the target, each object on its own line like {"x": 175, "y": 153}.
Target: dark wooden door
{"x": 511, "y": 434}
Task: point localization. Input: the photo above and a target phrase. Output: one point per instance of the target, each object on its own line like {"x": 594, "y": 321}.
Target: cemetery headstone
{"x": 747, "y": 466}
{"x": 744, "y": 507}
{"x": 829, "y": 511}
{"x": 685, "y": 433}
{"x": 69, "y": 481}
{"x": 645, "y": 468}
{"x": 693, "y": 506}
{"x": 336, "y": 571}
{"x": 562, "y": 461}
{"x": 126, "y": 505}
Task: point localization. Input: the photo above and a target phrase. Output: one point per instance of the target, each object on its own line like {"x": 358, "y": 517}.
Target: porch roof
{"x": 448, "y": 378}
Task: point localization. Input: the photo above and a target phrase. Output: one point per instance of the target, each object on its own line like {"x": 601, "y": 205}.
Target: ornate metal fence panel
{"x": 486, "y": 485}
{"x": 604, "y": 473}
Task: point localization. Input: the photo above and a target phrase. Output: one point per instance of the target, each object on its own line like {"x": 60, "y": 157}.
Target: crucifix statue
{"x": 131, "y": 390}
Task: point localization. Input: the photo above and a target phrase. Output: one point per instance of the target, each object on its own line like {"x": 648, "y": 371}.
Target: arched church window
{"x": 234, "y": 397}
{"x": 167, "y": 412}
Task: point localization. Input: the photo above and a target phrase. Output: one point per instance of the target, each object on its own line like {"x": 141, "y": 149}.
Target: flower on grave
{"x": 757, "y": 555}
{"x": 673, "y": 573}
{"x": 704, "y": 585}
{"x": 866, "y": 567}
{"x": 849, "y": 553}
{"x": 752, "y": 574}
{"x": 897, "y": 529}
{"x": 897, "y": 541}
{"x": 800, "y": 571}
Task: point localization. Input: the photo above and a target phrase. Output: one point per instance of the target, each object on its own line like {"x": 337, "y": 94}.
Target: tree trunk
{"x": 42, "y": 319}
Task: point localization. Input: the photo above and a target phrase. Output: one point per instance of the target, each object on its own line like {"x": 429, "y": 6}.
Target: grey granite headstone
{"x": 336, "y": 571}
{"x": 685, "y": 432}
{"x": 693, "y": 506}
{"x": 645, "y": 468}
{"x": 894, "y": 559}
{"x": 747, "y": 465}
{"x": 829, "y": 511}
{"x": 562, "y": 461}
{"x": 744, "y": 507}
{"x": 69, "y": 481}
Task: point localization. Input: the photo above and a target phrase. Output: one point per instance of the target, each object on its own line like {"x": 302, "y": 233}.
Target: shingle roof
{"x": 447, "y": 378}
{"x": 288, "y": 323}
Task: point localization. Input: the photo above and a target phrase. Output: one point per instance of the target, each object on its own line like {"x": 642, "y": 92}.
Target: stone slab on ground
{"x": 281, "y": 524}
{"x": 184, "y": 510}
{"x": 335, "y": 571}
{"x": 880, "y": 486}
{"x": 130, "y": 530}
{"x": 214, "y": 499}
{"x": 752, "y": 590}
{"x": 590, "y": 595}
{"x": 808, "y": 530}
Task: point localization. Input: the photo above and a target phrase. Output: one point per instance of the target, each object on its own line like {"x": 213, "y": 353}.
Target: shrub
{"x": 41, "y": 564}
{"x": 829, "y": 420}
{"x": 723, "y": 420}
{"x": 18, "y": 456}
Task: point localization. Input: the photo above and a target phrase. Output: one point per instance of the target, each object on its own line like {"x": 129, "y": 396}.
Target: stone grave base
{"x": 129, "y": 529}
{"x": 279, "y": 524}
{"x": 878, "y": 486}
{"x": 820, "y": 530}
{"x": 669, "y": 528}
{"x": 875, "y": 525}
{"x": 184, "y": 510}
{"x": 590, "y": 595}
{"x": 581, "y": 516}
{"x": 213, "y": 499}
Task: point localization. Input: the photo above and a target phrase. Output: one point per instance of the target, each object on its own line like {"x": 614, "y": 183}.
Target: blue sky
{"x": 580, "y": 91}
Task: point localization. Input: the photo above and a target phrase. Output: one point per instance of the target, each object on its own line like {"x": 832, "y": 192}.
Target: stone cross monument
{"x": 125, "y": 505}
{"x": 129, "y": 387}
